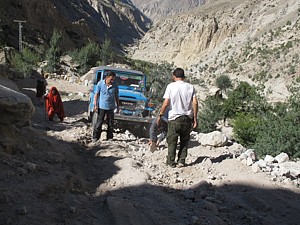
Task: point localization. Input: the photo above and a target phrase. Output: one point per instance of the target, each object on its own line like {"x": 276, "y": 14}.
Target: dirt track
{"x": 55, "y": 175}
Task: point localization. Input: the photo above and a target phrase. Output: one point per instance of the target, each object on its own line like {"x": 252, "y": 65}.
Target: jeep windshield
{"x": 129, "y": 81}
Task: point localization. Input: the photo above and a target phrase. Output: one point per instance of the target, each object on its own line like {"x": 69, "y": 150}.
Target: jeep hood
{"x": 131, "y": 95}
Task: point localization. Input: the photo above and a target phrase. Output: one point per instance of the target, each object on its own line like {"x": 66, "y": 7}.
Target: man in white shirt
{"x": 181, "y": 98}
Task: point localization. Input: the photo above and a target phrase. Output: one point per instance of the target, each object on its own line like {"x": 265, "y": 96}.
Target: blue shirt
{"x": 107, "y": 94}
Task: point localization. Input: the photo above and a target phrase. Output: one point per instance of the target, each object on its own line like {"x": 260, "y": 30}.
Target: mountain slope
{"x": 79, "y": 21}
{"x": 157, "y": 9}
{"x": 258, "y": 41}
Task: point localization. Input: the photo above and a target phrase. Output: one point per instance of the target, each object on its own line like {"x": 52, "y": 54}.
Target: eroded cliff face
{"x": 158, "y": 9}
{"x": 253, "y": 41}
{"x": 79, "y": 21}
{"x": 191, "y": 38}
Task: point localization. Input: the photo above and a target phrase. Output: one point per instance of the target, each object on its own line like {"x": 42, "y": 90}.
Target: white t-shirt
{"x": 181, "y": 96}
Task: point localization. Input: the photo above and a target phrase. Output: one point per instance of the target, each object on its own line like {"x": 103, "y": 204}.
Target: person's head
{"x": 178, "y": 73}
{"x": 110, "y": 77}
{"x": 53, "y": 90}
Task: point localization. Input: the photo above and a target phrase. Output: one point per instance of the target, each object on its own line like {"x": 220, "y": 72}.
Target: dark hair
{"x": 111, "y": 74}
{"x": 179, "y": 73}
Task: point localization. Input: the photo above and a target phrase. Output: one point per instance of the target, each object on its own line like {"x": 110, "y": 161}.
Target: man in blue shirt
{"x": 107, "y": 93}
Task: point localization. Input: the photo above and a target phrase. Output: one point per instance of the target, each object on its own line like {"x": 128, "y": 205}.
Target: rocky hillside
{"x": 157, "y": 9}
{"x": 79, "y": 21}
{"x": 257, "y": 41}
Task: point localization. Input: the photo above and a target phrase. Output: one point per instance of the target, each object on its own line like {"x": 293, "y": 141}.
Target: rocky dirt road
{"x": 51, "y": 173}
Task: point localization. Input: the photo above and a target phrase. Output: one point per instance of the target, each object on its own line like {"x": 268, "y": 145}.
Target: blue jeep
{"x": 135, "y": 109}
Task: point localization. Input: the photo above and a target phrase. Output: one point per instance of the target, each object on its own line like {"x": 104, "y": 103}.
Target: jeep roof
{"x": 111, "y": 68}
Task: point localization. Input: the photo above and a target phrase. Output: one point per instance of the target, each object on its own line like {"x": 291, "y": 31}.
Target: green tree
{"x": 54, "y": 52}
{"x": 244, "y": 98}
{"x": 245, "y": 128}
{"x": 87, "y": 56}
{"x": 25, "y": 61}
{"x": 2, "y": 37}
{"x": 107, "y": 55}
{"x": 158, "y": 77}
{"x": 223, "y": 82}
{"x": 279, "y": 134}
{"x": 211, "y": 112}
{"x": 273, "y": 131}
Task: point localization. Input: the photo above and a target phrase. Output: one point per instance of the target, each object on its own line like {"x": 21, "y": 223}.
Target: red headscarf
{"x": 54, "y": 103}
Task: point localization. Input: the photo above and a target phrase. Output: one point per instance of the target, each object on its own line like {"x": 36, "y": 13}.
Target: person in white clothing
{"x": 181, "y": 98}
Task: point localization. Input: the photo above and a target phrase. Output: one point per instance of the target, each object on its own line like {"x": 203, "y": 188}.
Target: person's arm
{"x": 117, "y": 102}
{"x": 163, "y": 109}
{"x": 96, "y": 97}
{"x": 153, "y": 132}
{"x": 163, "y": 134}
{"x": 195, "y": 111}
{"x": 117, "y": 97}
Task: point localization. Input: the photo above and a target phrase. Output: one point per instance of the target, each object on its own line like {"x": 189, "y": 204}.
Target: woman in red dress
{"x": 54, "y": 104}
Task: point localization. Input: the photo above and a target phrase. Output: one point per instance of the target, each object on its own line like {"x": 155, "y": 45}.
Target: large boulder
{"x": 215, "y": 139}
{"x": 15, "y": 107}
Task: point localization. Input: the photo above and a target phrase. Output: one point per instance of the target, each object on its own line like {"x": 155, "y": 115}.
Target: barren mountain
{"x": 158, "y": 9}
{"x": 80, "y": 21}
{"x": 52, "y": 173}
{"x": 257, "y": 41}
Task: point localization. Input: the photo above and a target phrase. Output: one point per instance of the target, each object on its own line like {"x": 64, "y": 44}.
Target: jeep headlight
{"x": 140, "y": 105}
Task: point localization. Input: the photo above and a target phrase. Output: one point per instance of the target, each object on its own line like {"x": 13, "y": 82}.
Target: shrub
{"x": 233, "y": 66}
{"x": 292, "y": 70}
{"x": 245, "y": 127}
{"x": 211, "y": 112}
{"x": 279, "y": 134}
{"x": 275, "y": 131}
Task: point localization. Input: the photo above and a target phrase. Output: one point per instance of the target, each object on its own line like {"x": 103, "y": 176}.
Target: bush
{"x": 279, "y": 134}
{"x": 211, "y": 112}
{"x": 275, "y": 131}
{"x": 245, "y": 128}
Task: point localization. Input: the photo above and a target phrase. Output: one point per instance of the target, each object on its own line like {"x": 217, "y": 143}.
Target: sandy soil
{"x": 51, "y": 173}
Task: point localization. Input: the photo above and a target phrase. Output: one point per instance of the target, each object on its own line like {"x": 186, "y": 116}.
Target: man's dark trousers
{"x": 180, "y": 127}
{"x": 100, "y": 119}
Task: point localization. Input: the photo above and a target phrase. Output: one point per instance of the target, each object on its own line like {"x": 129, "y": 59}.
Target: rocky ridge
{"x": 79, "y": 21}
{"x": 255, "y": 41}
{"x": 158, "y": 9}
